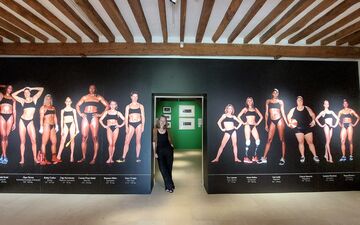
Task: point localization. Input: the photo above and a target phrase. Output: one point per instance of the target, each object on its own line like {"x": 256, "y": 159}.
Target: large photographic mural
{"x": 82, "y": 125}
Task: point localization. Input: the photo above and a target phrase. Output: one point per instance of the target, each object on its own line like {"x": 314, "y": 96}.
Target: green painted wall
{"x": 183, "y": 139}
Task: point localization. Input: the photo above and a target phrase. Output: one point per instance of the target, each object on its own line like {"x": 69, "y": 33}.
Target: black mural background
{"x": 222, "y": 81}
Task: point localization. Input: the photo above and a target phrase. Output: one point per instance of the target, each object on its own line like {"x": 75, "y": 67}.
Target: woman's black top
{"x": 163, "y": 140}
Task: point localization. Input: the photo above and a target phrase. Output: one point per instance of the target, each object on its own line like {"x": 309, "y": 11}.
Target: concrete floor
{"x": 188, "y": 205}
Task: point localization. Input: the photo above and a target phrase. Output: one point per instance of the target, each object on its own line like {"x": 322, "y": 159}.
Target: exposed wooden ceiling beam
{"x": 343, "y": 33}
{"x": 138, "y": 12}
{"x": 13, "y": 29}
{"x": 114, "y": 13}
{"x": 162, "y": 12}
{"x": 246, "y": 19}
{"x": 9, "y": 35}
{"x": 305, "y": 19}
{"x": 289, "y": 16}
{"x": 74, "y": 18}
{"x": 323, "y": 20}
{"x": 268, "y": 19}
{"x": 355, "y": 40}
{"x": 204, "y": 19}
{"x": 53, "y": 19}
{"x": 348, "y": 38}
{"x": 351, "y": 17}
{"x": 17, "y": 22}
{"x": 182, "y": 19}
{"x": 97, "y": 49}
{"x": 91, "y": 13}
{"x": 230, "y": 13}
{"x": 19, "y": 9}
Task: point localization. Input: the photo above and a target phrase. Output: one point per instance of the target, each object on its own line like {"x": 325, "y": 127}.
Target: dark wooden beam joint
{"x": 131, "y": 49}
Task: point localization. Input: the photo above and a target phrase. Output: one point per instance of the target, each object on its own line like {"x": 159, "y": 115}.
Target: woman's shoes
{"x": 169, "y": 190}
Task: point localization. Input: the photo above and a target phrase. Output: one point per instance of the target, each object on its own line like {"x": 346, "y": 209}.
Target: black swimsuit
{"x": 25, "y": 106}
{"x": 343, "y": 116}
{"x": 327, "y": 116}
{"x": 6, "y": 101}
{"x": 228, "y": 119}
{"x": 69, "y": 113}
{"x": 50, "y": 112}
{"x": 250, "y": 113}
{"x": 303, "y": 119}
{"x": 112, "y": 117}
{"x": 90, "y": 115}
{"x": 132, "y": 111}
{"x": 274, "y": 106}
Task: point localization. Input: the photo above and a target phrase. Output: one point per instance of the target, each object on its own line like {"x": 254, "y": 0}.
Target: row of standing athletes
{"x": 87, "y": 108}
{"x": 301, "y": 119}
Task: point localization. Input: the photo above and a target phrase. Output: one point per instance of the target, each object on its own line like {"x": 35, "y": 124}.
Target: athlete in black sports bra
{"x": 328, "y": 126}
{"x": 228, "y": 123}
{"x": 302, "y": 119}
{"x": 275, "y": 110}
{"x": 26, "y": 124}
{"x": 112, "y": 127}
{"x": 250, "y": 113}
{"x": 68, "y": 125}
{"x": 48, "y": 128}
{"x": 347, "y": 129}
{"x": 134, "y": 123}
{"x": 7, "y": 119}
{"x": 90, "y": 120}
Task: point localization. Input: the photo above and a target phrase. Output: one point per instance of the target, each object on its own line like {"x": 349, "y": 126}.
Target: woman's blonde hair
{"x": 48, "y": 96}
{"x": 227, "y": 109}
{"x": 157, "y": 124}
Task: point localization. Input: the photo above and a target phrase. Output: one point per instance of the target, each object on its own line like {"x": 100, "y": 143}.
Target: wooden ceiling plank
{"x": 140, "y": 18}
{"x": 355, "y": 39}
{"x": 354, "y": 15}
{"x": 17, "y": 22}
{"x": 286, "y": 19}
{"x": 332, "y": 14}
{"x": 283, "y": 5}
{"x": 182, "y": 19}
{"x": 246, "y": 19}
{"x": 53, "y": 19}
{"x": 162, "y": 13}
{"x": 8, "y": 26}
{"x": 305, "y": 19}
{"x": 349, "y": 38}
{"x": 204, "y": 19}
{"x": 114, "y": 13}
{"x": 343, "y": 33}
{"x": 19, "y": 9}
{"x": 9, "y": 35}
{"x": 99, "y": 49}
{"x": 230, "y": 13}
{"x": 74, "y": 18}
{"x": 91, "y": 13}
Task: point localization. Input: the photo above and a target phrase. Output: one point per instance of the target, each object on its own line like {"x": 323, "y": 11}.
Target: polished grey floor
{"x": 188, "y": 205}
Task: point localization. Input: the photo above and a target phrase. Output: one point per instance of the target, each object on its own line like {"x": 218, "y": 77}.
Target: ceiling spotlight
{"x": 173, "y": 1}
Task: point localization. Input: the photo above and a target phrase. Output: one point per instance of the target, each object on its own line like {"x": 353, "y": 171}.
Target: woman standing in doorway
{"x": 26, "y": 123}
{"x": 112, "y": 127}
{"x": 68, "y": 124}
{"x": 134, "y": 123}
{"x": 328, "y": 126}
{"x": 7, "y": 119}
{"x": 250, "y": 125}
{"x": 347, "y": 129}
{"x": 227, "y": 124}
{"x": 275, "y": 110}
{"x": 164, "y": 152}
